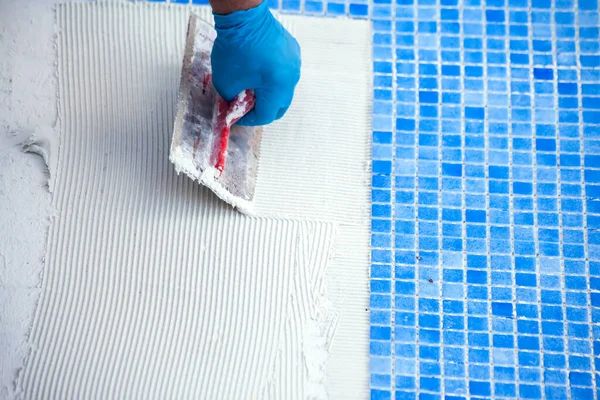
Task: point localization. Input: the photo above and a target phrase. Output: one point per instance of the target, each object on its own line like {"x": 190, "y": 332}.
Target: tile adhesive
{"x": 28, "y": 99}
{"x": 153, "y": 287}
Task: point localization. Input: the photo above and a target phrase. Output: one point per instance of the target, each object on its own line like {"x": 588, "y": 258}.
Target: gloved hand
{"x": 253, "y": 51}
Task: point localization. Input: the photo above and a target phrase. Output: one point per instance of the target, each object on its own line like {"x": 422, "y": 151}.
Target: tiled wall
{"x": 485, "y": 215}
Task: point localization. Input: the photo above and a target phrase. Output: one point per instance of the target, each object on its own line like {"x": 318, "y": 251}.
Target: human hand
{"x": 254, "y": 51}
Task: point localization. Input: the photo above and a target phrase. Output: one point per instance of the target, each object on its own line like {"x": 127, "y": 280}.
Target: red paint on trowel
{"x": 223, "y": 129}
{"x": 227, "y": 115}
{"x": 205, "y": 82}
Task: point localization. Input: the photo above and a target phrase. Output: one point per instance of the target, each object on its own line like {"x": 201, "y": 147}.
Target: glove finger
{"x": 248, "y": 119}
{"x": 266, "y": 110}
{"x": 281, "y": 112}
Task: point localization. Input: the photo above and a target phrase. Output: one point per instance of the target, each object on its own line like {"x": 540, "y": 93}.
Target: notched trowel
{"x": 206, "y": 145}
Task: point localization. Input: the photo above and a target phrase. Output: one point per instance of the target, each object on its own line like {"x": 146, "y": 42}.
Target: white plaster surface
{"x": 152, "y": 287}
{"x": 27, "y": 115}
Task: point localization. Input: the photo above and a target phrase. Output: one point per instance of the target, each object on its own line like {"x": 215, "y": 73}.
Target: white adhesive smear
{"x": 153, "y": 287}
{"x": 27, "y": 110}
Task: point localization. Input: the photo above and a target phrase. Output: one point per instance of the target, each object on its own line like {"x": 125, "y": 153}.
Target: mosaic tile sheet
{"x": 486, "y": 192}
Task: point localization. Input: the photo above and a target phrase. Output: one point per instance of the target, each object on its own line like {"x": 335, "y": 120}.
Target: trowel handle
{"x": 227, "y": 115}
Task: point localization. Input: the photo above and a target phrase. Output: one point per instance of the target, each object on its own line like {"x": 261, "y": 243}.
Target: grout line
{"x": 465, "y": 285}
{"x": 532, "y": 92}
{"x": 563, "y": 288}
{"x": 584, "y": 205}
{"x": 440, "y": 205}
{"x": 511, "y": 207}
{"x": 490, "y": 315}
{"x": 416, "y": 198}
{"x": 393, "y": 205}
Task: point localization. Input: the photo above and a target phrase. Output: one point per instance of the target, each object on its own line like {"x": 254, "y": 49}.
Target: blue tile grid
{"x": 485, "y": 273}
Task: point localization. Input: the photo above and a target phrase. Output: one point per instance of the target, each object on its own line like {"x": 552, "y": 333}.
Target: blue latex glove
{"x": 253, "y": 51}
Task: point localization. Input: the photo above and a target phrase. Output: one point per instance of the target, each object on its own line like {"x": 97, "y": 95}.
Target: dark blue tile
{"x": 380, "y": 394}
{"x": 474, "y": 113}
{"x": 529, "y": 327}
{"x": 382, "y": 167}
{"x": 528, "y": 343}
{"x": 477, "y": 388}
{"x": 553, "y": 360}
{"x": 477, "y": 216}
{"x": 405, "y": 288}
{"x": 579, "y": 363}
{"x": 428, "y": 97}
{"x": 359, "y": 10}
{"x": 403, "y": 124}
{"x": 405, "y": 382}
{"x": 522, "y": 188}
{"x": 380, "y": 333}
{"x": 545, "y": 144}
{"x": 552, "y": 313}
{"x": 565, "y": 88}
{"x": 502, "y": 309}
{"x": 503, "y": 341}
{"x": 429, "y": 353}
